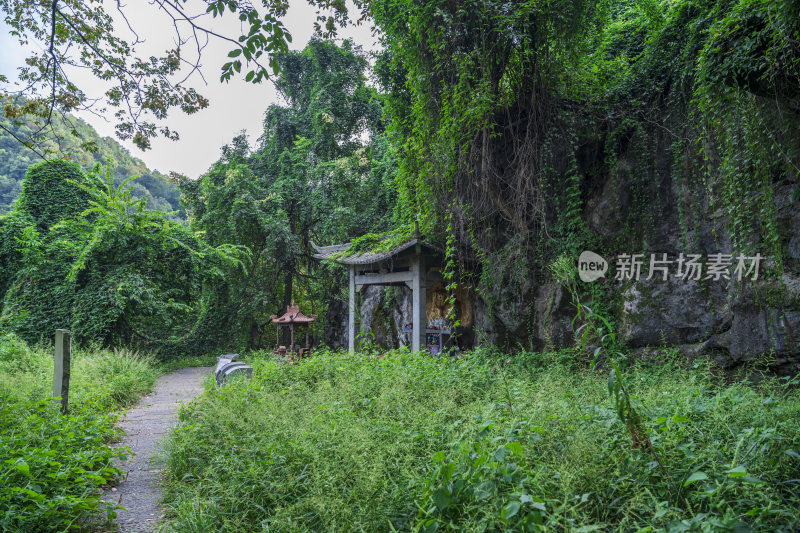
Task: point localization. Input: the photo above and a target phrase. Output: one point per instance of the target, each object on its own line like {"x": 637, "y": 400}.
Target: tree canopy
{"x": 72, "y": 35}
{"x": 323, "y": 171}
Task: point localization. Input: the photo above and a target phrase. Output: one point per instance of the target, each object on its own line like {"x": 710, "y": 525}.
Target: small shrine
{"x": 415, "y": 264}
{"x": 291, "y": 319}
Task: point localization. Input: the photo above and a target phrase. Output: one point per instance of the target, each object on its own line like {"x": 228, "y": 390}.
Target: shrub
{"x": 113, "y": 272}
{"x": 51, "y": 465}
{"x": 11, "y": 228}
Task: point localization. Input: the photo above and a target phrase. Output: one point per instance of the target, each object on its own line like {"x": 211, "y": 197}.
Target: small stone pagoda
{"x": 291, "y": 319}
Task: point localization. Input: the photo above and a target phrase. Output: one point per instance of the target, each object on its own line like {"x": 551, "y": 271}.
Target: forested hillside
{"x": 85, "y": 147}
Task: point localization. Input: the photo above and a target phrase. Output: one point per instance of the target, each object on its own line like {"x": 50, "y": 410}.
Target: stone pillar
{"x": 351, "y": 312}
{"x": 418, "y": 315}
{"x": 61, "y": 367}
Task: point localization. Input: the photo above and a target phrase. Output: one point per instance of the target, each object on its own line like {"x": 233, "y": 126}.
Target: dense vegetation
{"x": 85, "y": 147}
{"x": 80, "y": 252}
{"x": 52, "y": 464}
{"x": 495, "y": 125}
{"x": 511, "y": 116}
{"x": 516, "y": 133}
{"x": 412, "y": 443}
{"x": 323, "y": 171}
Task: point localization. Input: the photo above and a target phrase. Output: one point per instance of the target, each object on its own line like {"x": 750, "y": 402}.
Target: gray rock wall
{"x": 730, "y": 321}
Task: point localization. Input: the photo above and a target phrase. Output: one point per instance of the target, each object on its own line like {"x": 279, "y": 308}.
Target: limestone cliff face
{"x": 728, "y": 320}
{"x": 731, "y": 320}
{"x": 688, "y": 145}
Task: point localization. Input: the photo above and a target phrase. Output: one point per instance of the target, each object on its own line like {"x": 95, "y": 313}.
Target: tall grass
{"x": 51, "y": 465}
{"x": 101, "y": 379}
{"x": 407, "y": 442}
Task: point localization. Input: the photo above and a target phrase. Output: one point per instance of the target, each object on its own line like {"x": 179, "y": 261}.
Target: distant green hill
{"x": 161, "y": 193}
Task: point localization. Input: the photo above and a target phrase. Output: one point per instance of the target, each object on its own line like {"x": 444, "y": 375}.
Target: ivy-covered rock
{"x": 653, "y": 127}
{"x": 49, "y": 193}
{"x": 11, "y": 228}
{"x": 40, "y": 299}
{"x": 111, "y": 271}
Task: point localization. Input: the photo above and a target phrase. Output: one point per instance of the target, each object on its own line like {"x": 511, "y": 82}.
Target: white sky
{"x": 234, "y": 106}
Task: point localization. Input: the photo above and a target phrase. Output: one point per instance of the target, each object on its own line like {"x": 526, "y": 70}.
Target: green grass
{"x": 406, "y": 442}
{"x": 52, "y": 465}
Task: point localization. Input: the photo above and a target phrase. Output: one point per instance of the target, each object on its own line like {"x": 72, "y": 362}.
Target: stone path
{"x": 145, "y": 426}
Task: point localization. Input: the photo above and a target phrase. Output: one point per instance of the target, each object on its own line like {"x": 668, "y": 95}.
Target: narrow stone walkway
{"x": 145, "y": 427}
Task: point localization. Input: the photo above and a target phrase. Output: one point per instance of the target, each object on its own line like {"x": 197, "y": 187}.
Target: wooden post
{"x": 351, "y": 312}
{"x": 291, "y": 339}
{"x": 61, "y": 367}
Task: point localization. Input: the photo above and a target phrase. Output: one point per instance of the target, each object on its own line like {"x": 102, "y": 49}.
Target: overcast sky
{"x": 234, "y": 106}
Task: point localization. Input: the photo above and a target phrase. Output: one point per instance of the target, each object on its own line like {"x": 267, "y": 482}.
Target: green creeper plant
{"x": 112, "y": 272}
{"x": 50, "y": 192}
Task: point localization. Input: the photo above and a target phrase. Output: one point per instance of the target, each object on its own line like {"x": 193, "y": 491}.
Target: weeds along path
{"x": 145, "y": 426}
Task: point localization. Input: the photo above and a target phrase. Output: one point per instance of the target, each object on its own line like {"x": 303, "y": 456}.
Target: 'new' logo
{"x": 591, "y": 266}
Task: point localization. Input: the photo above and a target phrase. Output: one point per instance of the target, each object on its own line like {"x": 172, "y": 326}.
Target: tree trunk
{"x": 287, "y": 288}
